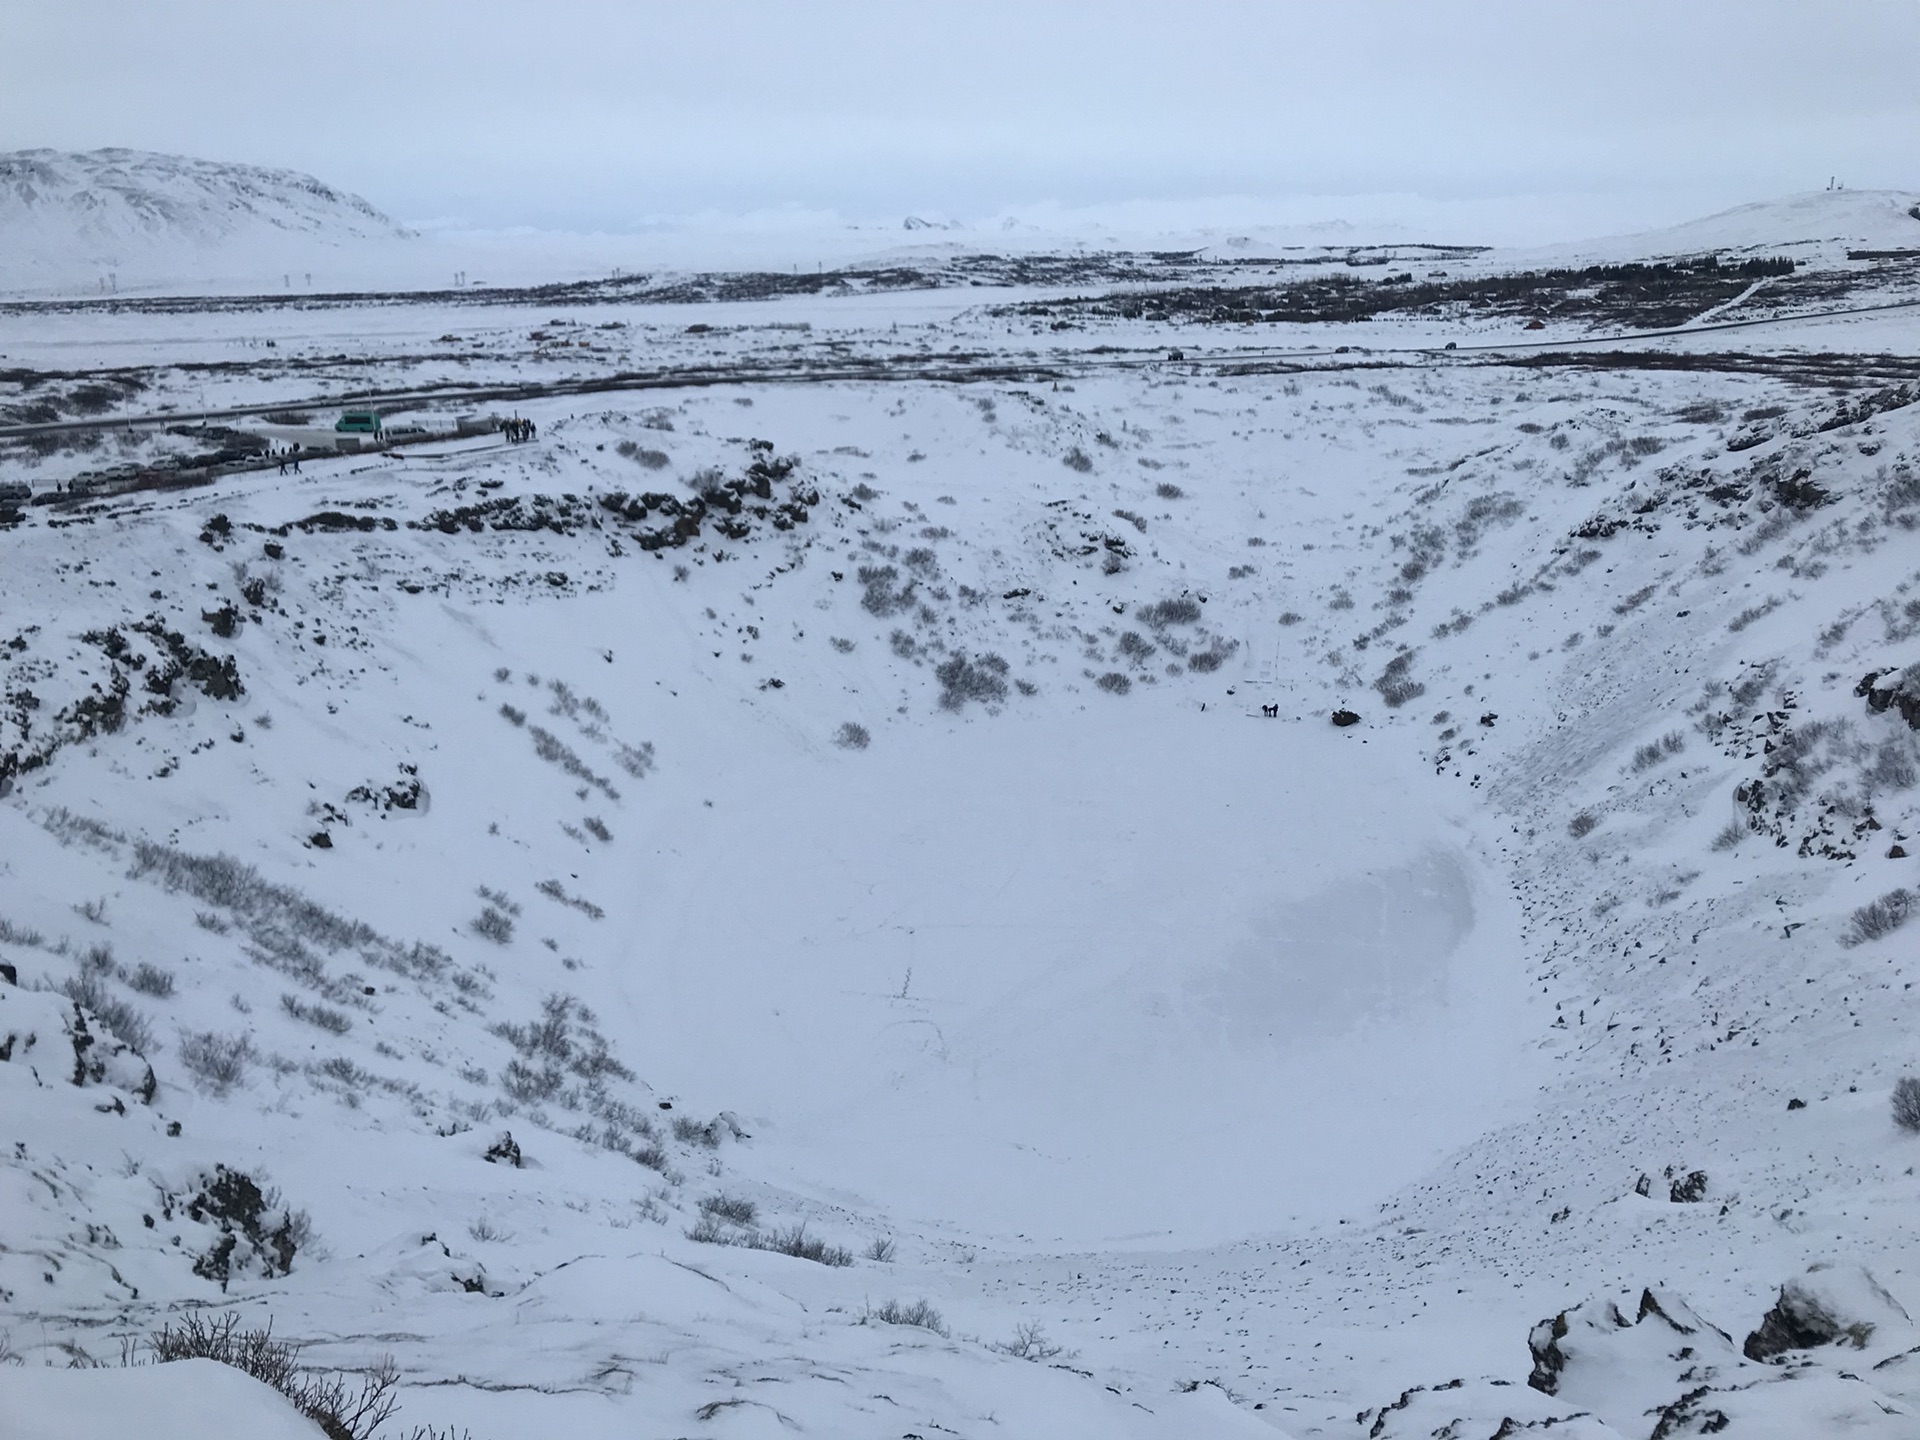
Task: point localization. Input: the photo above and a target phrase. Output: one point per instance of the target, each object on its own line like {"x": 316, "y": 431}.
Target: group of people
{"x": 290, "y": 456}
{"x": 519, "y": 431}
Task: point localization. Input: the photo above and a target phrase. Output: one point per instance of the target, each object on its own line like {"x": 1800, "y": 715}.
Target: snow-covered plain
{"x": 946, "y": 849}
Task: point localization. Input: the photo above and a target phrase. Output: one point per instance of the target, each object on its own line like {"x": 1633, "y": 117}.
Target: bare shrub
{"x": 1114, "y": 683}
{"x": 94, "y": 910}
{"x": 919, "y": 1313}
{"x": 689, "y": 1131}
{"x": 961, "y": 679}
{"x": 335, "y": 1022}
{"x": 1731, "y": 834}
{"x": 555, "y": 752}
{"x": 1650, "y": 755}
{"x": 492, "y": 924}
{"x": 731, "y": 1208}
{"x": 636, "y": 760}
{"x": 881, "y": 1250}
{"x": 1396, "y": 684}
{"x": 12, "y": 934}
{"x": 555, "y": 891}
{"x": 1077, "y": 459}
{"x": 881, "y": 593}
{"x": 597, "y": 828}
{"x": 1029, "y": 1343}
{"x": 1879, "y": 918}
{"x": 342, "y": 1409}
{"x": 1132, "y": 519}
{"x": 1583, "y": 824}
{"x": 1636, "y": 600}
{"x": 851, "y": 736}
{"x": 561, "y": 1041}
{"x": 640, "y": 455}
{"x": 1906, "y": 1103}
{"x": 217, "y": 1062}
{"x": 150, "y": 979}
{"x": 802, "y": 1246}
{"x": 121, "y": 1020}
{"x": 1180, "y": 610}
{"x": 1167, "y": 490}
{"x": 1217, "y": 653}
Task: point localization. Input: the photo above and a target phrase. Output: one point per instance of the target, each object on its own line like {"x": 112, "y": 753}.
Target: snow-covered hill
{"x": 1817, "y": 227}
{"x": 128, "y": 219}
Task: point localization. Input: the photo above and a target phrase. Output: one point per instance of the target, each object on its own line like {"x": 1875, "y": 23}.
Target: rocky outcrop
{"x": 1668, "y": 1372}
{"x": 1896, "y": 689}
{"x": 1827, "y": 1305}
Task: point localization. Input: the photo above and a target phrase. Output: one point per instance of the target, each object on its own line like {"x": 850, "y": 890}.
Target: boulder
{"x": 1897, "y": 689}
{"x": 1830, "y": 1304}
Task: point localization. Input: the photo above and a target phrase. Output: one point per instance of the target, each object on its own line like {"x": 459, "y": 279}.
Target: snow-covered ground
{"x": 943, "y": 846}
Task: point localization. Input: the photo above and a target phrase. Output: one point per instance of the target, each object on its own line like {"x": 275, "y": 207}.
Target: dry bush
{"x": 1906, "y": 1103}
{"x": 919, "y": 1313}
{"x": 1029, "y": 1343}
{"x": 983, "y": 679}
{"x": 1879, "y": 918}
{"x": 733, "y": 1208}
{"x": 217, "y": 1062}
{"x": 343, "y": 1410}
{"x": 335, "y": 1022}
{"x": 150, "y": 979}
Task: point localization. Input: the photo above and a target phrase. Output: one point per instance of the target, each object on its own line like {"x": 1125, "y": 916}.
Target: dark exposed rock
{"x": 1827, "y": 1304}
{"x": 1344, "y": 718}
{"x": 1688, "y": 1189}
{"x": 1893, "y": 689}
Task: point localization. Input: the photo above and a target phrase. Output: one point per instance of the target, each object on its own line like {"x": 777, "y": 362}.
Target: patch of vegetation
{"x": 341, "y": 1408}
{"x": 1878, "y": 919}
{"x": 334, "y": 1022}
{"x": 559, "y": 1043}
{"x": 217, "y": 1062}
{"x": 962, "y": 679}
{"x": 1906, "y": 1104}
{"x": 920, "y": 1313}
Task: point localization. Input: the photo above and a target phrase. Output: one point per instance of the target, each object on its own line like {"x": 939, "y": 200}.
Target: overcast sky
{"x": 592, "y": 114}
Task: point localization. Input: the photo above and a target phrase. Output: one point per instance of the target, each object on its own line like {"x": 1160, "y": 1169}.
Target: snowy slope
{"x": 73, "y": 219}
{"x": 1818, "y": 226}
{"x": 1276, "y": 1072}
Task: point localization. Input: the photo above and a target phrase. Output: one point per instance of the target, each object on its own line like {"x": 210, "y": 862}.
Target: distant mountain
{"x": 71, "y": 219}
